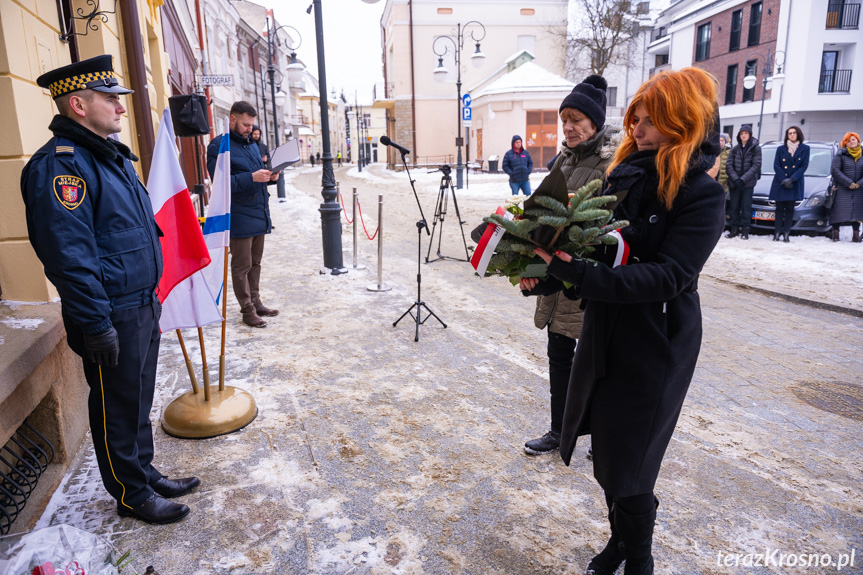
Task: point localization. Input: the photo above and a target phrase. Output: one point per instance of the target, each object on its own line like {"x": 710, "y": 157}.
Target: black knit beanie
{"x": 589, "y": 99}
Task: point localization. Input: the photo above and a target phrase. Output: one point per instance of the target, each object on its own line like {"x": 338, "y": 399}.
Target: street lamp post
{"x": 776, "y": 79}
{"x": 331, "y": 224}
{"x": 293, "y": 68}
{"x": 440, "y": 74}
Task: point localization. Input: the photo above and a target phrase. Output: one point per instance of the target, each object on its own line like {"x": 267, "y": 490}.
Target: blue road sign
{"x": 465, "y": 100}
{"x": 466, "y": 114}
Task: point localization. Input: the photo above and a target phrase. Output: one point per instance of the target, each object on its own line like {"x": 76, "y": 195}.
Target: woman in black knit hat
{"x": 584, "y": 156}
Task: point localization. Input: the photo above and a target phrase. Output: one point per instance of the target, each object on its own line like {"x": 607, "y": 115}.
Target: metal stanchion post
{"x": 380, "y": 286}
{"x": 356, "y": 232}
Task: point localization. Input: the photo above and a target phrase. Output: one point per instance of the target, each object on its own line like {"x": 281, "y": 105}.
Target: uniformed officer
{"x": 91, "y": 223}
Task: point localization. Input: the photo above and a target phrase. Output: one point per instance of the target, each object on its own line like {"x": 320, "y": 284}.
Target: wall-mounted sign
{"x": 220, "y": 80}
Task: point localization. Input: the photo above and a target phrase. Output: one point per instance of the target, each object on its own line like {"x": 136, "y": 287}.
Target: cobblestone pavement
{"x": 373, "y": 453}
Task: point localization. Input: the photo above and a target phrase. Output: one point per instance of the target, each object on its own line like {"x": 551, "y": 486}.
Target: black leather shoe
{"x": 175, "y": 487}
{"x": 155, "y": 510}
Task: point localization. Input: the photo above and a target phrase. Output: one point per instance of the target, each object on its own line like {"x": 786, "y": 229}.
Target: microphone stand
{"x": 418, "y": 304}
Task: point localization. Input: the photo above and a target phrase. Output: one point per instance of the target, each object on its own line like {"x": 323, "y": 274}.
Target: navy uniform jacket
{"x": 787, "y": 166}
{"x": 250, "y": 200}
{"x": 91, "y": 224}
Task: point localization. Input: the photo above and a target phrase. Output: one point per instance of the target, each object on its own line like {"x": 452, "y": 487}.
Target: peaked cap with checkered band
{"x": 94, "y": 74}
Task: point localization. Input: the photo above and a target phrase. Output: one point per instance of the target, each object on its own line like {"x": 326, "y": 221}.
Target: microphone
{"x": 385, "y": 140}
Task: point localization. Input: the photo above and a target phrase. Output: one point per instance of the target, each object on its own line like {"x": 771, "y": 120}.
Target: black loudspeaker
{"x": 189, "y": 114}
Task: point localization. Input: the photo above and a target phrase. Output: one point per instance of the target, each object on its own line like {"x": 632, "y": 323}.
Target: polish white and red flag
{"x": 185, "y": 296}
{"x": 487, "y": 244}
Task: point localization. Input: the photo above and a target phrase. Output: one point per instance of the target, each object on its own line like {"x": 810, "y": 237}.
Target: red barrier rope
{"x": 342, "y": 202}
{"x": 362, "y": 221}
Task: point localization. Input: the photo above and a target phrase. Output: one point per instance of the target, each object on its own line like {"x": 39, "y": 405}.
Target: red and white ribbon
{"x": 485, "y": 248}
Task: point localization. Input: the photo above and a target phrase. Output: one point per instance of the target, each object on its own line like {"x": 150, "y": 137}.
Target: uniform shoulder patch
{"x": 60, "y": 150}
{"x": 70, "y": 191}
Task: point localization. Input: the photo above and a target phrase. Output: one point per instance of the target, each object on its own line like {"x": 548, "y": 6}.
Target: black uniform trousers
{"x": 120, "y": 402}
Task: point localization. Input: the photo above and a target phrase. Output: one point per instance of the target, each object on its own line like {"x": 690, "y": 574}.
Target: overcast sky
{"x": 352, "y": 42}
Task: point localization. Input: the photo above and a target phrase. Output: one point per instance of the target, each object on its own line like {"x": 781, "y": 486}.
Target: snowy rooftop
{"x": 529, "y": 77}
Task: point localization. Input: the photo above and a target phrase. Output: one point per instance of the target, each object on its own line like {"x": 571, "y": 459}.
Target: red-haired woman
{"x": 847, "y": 172}
{"x": 642, "y": 321}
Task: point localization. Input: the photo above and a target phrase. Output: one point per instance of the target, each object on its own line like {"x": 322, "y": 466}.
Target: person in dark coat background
{"x": 250, "y": 211}
{"x": 642, "y": 321}
{"x": 91, "y": 223}
{"x": 265, "y": 151}
{"x": 789, "y": 166}
{"x": 744, "y": 170}
{"x": 847, "y": 172}
{"x": 518, "y": 165}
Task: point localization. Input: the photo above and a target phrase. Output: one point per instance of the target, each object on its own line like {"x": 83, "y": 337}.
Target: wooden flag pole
{"x": 224, "y": 323}
{"x": 188, "y": 363}
{"x": 204, "y": 360}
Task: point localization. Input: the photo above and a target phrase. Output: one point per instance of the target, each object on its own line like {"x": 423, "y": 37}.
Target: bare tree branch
{"x": 604, "y": 30}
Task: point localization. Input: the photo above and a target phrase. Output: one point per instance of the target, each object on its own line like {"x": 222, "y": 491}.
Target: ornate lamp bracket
{"x": 89, "y": 20}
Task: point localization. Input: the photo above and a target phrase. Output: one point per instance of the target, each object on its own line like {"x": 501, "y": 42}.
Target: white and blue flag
{"x": 217, "y": 227}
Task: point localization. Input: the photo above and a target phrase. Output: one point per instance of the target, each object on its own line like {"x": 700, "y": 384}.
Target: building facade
{"x": 423, "y": 112}
{"x": 799, "y": 54}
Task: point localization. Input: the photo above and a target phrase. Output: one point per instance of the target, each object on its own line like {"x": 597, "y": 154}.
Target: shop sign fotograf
{"x": 218, "y": 80}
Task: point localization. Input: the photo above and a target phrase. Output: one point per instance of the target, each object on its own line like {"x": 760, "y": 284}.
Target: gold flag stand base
{"x": 190, "y": 416}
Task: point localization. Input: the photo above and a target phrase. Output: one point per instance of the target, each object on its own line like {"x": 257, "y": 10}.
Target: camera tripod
{"x": 446, "y": 188}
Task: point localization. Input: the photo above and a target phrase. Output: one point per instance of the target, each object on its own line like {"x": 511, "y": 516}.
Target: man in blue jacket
{"x": 518, "y": 164}
{"x": 91, "y": 224}
{"x": 250, "y": 211}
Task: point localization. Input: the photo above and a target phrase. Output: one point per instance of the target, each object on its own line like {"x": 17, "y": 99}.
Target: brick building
{"x": 804, "y": 51}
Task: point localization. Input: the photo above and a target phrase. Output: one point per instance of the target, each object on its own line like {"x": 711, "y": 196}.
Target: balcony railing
{"x": 658, "y": 33}
{"x": 658, "y": 69}
{"x": 834, "y": 81}
{"x": 842, "y": 16}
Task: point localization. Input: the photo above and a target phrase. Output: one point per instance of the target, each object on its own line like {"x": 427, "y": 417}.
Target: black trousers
{"x": 561, "y": 350}
{"x": 120, "y": 402}
{"x": 740, "y": 206}
{"x": 784, "y": 217}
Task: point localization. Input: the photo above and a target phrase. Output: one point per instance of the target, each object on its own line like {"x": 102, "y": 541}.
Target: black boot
{"x": 732, "y": 233}
{"x": 610, "y": 558}
{"x": 776, "y": 237}
{"x": 636, "y": 535}
{"x": 835, "y": 236}
{"x": 745, "y": 234}
{"x": 856, "y": 237}
{"x": 786, "y": 239}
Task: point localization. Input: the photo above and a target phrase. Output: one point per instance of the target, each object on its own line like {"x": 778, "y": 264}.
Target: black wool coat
{"x": 848, "y": 203}
{"x": 642, "y": 325}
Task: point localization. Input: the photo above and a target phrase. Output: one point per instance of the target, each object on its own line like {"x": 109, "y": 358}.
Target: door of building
{"x": 541, "y": 136}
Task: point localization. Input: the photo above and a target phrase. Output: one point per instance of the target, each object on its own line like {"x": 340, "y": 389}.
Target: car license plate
{"x": 756, "y": 215}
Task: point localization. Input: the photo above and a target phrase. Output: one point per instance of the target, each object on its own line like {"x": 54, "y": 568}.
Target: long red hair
{"x": 681, "y": 106}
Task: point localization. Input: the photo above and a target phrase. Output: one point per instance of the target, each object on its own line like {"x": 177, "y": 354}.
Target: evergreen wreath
{"x": 554, "y": 222}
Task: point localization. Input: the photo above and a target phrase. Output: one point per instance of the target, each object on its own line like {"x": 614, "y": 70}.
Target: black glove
{"x": 787, "y": 183}
{"x": 103, "y": 348}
